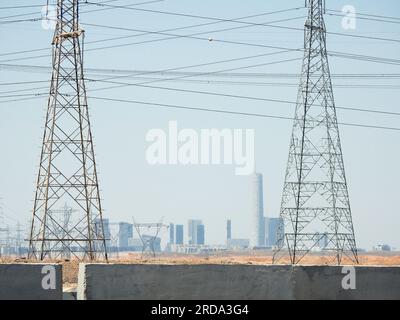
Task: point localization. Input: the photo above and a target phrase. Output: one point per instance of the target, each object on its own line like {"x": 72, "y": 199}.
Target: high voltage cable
{"x": 213, "y": 63}
{"x": 145, "y": 33}
{"x": 238, "y": 83}
{"x": 25, "y": 95}
{"x": 330, "y": 53}
{"x": 21, "y": 90}
{"x": 338, "y": 54}
{"x": 20, "y": 20}
{"x": 209, "y": 93}
{"x": 22, "y": 7}
{"x": 39, "y": 95}
{"x": 368, "y": 15}
{"x": 189, "y": 36}
{"x": 209, "y": 72}
{"x": 195, "y": 36}
{"x": 203, "y": 64}
{"x": 216, "y": 111}
{"x": 132, "y": 73}
{"x": 230, "y": 112}
{"x": 87, "y": 11}
{"x": 363, "y": 18}
{"x": 84, "y": 3}
{"x": 205, "y": 73}
{"x": 22, "y": 99}
{"x": 217, "y": 62}
{"x": 216, "y": 72}
{"x": 105, "y": 3}
{"x": 84, "y": 11}
{"x": 227, "y": 20}
{"x": 244, "y": 97}
{"x": 200, "y": 65}
{"x": 18, "y": 15}
{"x": 243, "y": 22}
{"x": 21, "y": 83}
{"x": 183, "y": 28}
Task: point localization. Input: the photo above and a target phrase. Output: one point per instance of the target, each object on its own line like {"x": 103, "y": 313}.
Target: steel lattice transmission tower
{"x": 148, "y": 240}
{"x": 67, "y": 172}
{"x": 315, "y": 208}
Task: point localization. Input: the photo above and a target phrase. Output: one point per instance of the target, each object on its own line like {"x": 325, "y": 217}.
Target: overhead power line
{"x": 363, "y": 18}
{"x": 242, "y": 22}
{"x": 146, "y": 33}
{"x": 349, "y": 86}
{"x": 37, "y": 18}
{"x": 18, "y": 15}
{"x": 189, "y": 36}
{"x": 195, "y": 36}
{"x": 210, "y": 93}
{"x": 166, "y": 36}
{"x": 22, "y": 7}
{"x": 182, "y": 107}
{"x": 138, "y": 72}
{"x": 213, "y": 110}
{"x": 243, "y": 97}
{"x": 367, "y": 15}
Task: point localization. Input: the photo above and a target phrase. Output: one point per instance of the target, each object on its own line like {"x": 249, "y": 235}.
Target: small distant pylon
{"x": 148, "y": 240}
{"x": 315, "y": 209}
{"x": 67, "y": 171}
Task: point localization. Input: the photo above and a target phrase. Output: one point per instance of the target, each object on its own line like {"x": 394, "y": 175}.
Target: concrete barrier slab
{"x": 230, "y": 282}
{"x": 30, "y": 281}
{"x": 149, "y": 282}
{"x": 370, "y": 283}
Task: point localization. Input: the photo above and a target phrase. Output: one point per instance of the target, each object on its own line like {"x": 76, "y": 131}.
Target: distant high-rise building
{"x": 192, "y": 230}
{"x": 106, "y": 230}
{"x": 257, "y": 238}
{"x": 228, "y": 230}
{"x": 271, "y": 231}
{"x": 171, "y": 233}
{"x": 179, "y": 234}
{"x": 321, "y": 239}
{"x": 125, "y": 232}
{"x": 200, "y": 234}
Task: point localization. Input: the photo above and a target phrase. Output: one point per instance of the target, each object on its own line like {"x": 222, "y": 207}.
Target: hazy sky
{"x": 131, "y": 187}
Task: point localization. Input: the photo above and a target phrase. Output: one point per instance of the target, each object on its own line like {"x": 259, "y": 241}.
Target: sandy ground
{"x": 70, "y": 268}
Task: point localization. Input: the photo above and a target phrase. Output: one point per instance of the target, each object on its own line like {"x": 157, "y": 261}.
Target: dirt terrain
{"x": 70, "y": 268}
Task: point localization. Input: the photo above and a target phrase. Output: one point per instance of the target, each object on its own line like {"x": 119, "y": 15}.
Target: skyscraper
{"x": 171, "y": 233}
{"x": 103, "y": 227}
{"x": 192, "y": 230}
{"x": 257, "y": 237}
{"x": 125, "y": 232}
{"x": 228, "y": 231}
{"x": 271, "y": 229}
{"x": 200, "y": 234}
{"x": 179, "y": 234}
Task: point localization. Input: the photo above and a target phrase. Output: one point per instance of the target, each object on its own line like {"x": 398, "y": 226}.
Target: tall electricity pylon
{"x": 67, "y": 172}
{"x": 315, "y": 210}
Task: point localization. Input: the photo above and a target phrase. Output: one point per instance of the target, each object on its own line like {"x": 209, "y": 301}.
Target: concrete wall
{"x": 28, "y": 282}
{"x": 325, "y": 282}
{"x": 186, "y": 282}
